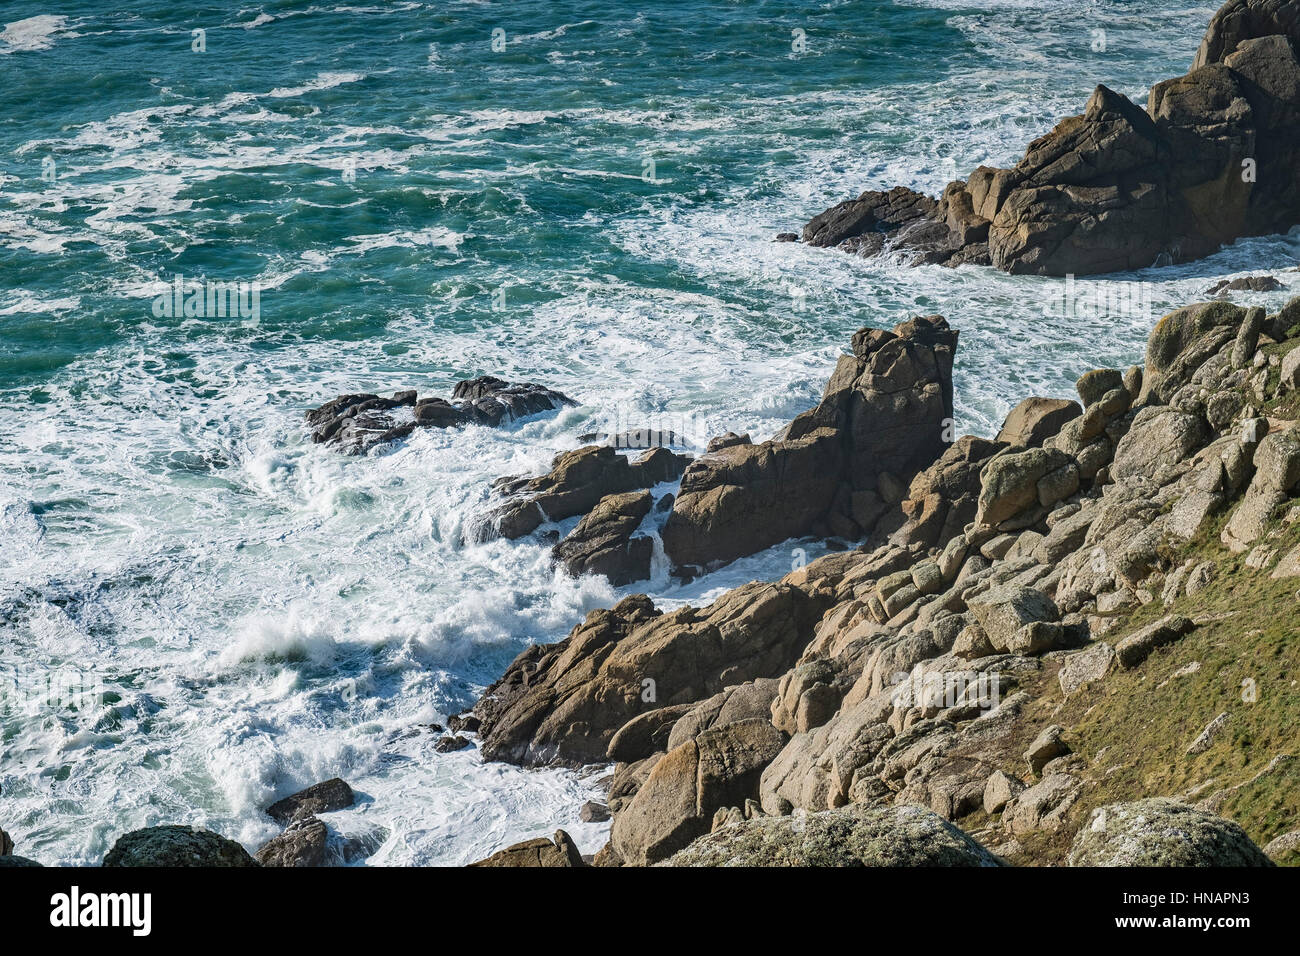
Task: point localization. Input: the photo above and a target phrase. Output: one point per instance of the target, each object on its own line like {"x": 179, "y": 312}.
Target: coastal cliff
{"x": 1096, "y": 612}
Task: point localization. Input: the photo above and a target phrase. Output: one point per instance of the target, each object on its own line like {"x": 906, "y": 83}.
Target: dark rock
{"x": 1244, "y": 284}
{"x": 16, "y": 861}
{"x": 301, "y": 844}
{"x": 333, "y": 794}
{"x": 358, "y": 422}
{"x": 467, "y": 723}
{"x": 787, "y": 237}
{"x": 603, "y": 541}
{"x": 577, "y": 482}
{"x": 451, "y": 744}
{"x": 177, "y": 846}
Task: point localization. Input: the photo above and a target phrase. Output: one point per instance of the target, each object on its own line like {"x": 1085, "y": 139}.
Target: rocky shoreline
{"x": 1209, "y": 160}
{"x": 915, "y": 671}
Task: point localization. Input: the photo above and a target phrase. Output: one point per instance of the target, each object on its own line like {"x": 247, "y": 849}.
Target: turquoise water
{"x": 587, "y": 203}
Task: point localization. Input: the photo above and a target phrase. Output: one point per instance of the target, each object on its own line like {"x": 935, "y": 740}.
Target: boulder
{"x": 333, "y": 794}
{"x": 1180, "y": 342}
{"x": 719, "y": 768}
{"x": 450, "y": 743}
{"x": 851, "y": 836}
{"x": 1084, "y": 667}
{"x": 1137, "y": 647}
{"x": 1158, "y": 436}
{"x": 1010, "y": 483}
{"x": 1043, "y": 806}
{"x": 1000, "y": 789}
{"x": 1003, "y": 613}
{"x": 1162, "y": 832}
{"x": 603, "y": 542}
{"x": 537, "y": 852}
{"x": 1093, "y": 385}
{"x": 301, "y": 844}
{"x": 1047, "y": 746}
{"x": 176, "y": 846}
{"x": 646, "y": 734}
{"x": 1036, "y": 419}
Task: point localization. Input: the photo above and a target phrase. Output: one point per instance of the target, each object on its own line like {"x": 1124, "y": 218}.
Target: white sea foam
{"x": 33, "y": 33}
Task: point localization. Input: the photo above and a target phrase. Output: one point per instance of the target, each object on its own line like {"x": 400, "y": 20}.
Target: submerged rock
{"x": 1244, "y": 284}
{"x": 358, "y": 422}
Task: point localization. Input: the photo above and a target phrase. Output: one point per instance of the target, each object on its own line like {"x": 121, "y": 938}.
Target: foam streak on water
{"x": 591, "y": 208}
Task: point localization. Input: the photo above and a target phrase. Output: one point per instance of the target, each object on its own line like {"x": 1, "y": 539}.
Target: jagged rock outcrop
{"x": 1210, "y": 159}
{"x": 358, "y": 422}
{"x": 563, "y": 703}
{"x": 904, "y": 673}
{"x": 1162, "y": 832}
{"x": 837, "y": 467}
{"x": 577, "y": 482}
{"x": 853, "y": 836}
